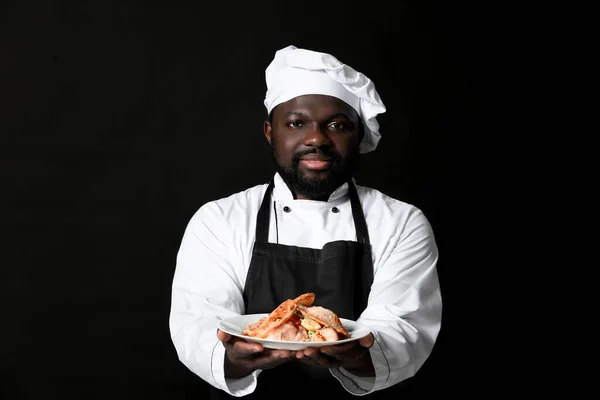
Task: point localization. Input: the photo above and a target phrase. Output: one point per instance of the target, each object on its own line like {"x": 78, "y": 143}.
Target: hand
{"x": 353, "y": 356}
{"x": 242, "y": 357}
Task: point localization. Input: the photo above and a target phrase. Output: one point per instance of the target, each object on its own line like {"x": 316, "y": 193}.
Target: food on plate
{"x": 298, "y": 320}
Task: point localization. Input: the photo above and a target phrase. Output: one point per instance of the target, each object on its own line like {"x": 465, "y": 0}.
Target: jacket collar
{"x": 281, "y": 191}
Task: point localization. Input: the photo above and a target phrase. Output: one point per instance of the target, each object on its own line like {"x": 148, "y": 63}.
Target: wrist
{"x": 363, "y": 368}
{"x": 235, "y": 371}
{"x": 364, "y": 372}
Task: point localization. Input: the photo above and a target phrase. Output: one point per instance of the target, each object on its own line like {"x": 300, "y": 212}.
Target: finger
{"x": 321, "y": 360}
{"x": 340, "y": 350}
{"x": 282, "y": 353}
{"x": 311, "y": 351}
{"x": 223, "y": 337}
{"x": 238, "y": 349}
{"x": 367, "y": 341}
{"x": 270, "y": 359}
{"x": 308, "y": 361}
{"x": 246, "y": 349}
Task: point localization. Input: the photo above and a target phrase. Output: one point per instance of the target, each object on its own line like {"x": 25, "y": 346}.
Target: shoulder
{"x": 375, "y": 201}
{"x": 231, "y": 210}
{"x": 380, "y": 207}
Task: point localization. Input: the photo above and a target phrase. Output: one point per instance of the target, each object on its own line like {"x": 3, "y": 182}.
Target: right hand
{"x": 242, "y": 357}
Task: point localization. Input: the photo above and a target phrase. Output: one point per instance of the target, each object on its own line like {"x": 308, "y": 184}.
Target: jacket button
{"x": 287, "y": 209}
{"x": 335, "y": 210}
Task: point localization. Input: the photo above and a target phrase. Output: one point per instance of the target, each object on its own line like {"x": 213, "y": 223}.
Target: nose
{"x": 317, "y": 137}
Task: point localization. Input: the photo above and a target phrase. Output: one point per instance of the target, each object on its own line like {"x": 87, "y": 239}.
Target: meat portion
{"x": 298, "y": 321}
{"x": 278, "y": 317}
{"x": 288, "y": 332}
{"x": 324, "y": 317}
{"x": 329, "y": 334}
{"x": 255, "y": 325}
{"x": 305, "y": 299}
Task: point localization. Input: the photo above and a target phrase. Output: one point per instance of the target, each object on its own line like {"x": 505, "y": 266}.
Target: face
{"x": 315, "y": 141}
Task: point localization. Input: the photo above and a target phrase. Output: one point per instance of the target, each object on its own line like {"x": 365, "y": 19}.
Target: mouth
{"x": 315, "y": 165}
{"x": 316, "y": 162}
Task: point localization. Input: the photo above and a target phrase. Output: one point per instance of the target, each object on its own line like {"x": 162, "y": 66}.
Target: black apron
{"x": 340, "y": 275}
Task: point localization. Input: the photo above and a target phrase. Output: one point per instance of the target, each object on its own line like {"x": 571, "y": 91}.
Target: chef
{"x": 312, "y": 228}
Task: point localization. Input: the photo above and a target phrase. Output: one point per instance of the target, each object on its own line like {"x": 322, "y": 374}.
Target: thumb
{"x": 223, "y": 337}
{"x": 367, "y": 341}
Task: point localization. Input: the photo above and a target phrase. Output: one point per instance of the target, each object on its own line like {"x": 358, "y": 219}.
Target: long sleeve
{"x": 404, "y": 308}
{"x": 207, "y": 287}
{"x": 404, "y": 305}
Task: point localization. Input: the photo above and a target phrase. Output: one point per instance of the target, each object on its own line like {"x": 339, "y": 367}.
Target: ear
{"x": 268, "y": 130}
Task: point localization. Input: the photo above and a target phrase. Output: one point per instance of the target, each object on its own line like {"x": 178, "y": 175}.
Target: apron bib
{"x": 340, "y": 274}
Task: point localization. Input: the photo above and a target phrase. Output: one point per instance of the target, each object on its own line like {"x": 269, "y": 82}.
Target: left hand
{"x": 353, "y": 356}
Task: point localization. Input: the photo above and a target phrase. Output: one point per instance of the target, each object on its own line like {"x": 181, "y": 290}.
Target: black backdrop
{"x": 118, "y": 119}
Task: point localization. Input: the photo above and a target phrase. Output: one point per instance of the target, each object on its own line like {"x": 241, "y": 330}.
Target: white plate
{"x": 234, "y": 326}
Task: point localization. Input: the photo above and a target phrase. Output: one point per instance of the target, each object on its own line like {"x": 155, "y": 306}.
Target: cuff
{"x": 357, "y": 385}
{"x": 361, "y": 385}
{"x": 235, "y": 387}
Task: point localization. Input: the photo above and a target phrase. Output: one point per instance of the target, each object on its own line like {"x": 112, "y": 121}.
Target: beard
{"x": 318, "y": 186}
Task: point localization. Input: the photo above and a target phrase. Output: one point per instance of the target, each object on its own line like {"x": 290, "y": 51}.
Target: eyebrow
{"x": 295, "y": 114}
{"x": 305, "y": 116}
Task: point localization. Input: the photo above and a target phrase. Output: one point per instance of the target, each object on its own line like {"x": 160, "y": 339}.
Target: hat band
{"x": 294, "y": 82}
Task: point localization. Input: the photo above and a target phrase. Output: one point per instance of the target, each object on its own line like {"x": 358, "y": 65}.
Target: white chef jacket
{"x": 404, "y": 305}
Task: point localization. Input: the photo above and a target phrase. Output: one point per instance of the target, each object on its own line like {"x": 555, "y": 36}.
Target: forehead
{"x": 315, "y": 105}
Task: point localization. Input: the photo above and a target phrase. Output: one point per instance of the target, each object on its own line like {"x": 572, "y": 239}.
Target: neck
{"x": 311, "y": 190}
{"x": 320, "y": 197}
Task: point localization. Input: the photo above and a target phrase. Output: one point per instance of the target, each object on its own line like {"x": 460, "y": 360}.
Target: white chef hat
{"x": 295, "y": 72}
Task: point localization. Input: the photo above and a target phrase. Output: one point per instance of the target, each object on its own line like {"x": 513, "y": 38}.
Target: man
{"x": 366, "y": 256}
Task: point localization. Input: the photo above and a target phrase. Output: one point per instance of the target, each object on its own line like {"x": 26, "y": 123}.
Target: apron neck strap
{"x": 360, "y": 224}
{"x": 264, "y": 214}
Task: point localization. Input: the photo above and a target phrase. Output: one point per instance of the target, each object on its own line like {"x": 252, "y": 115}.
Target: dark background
{"x": 119, "y": 119}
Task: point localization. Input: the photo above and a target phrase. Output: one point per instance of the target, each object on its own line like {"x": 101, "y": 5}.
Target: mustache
{"x": 334, "y": 155}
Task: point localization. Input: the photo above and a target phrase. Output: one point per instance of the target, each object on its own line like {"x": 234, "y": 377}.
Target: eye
{"x": 338, "y": 126}
{"x": 295, "y": 124}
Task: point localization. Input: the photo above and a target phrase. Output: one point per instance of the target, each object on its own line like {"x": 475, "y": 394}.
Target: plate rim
{"x": 288, "y": 342}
